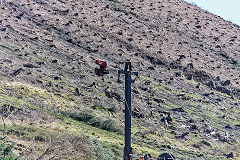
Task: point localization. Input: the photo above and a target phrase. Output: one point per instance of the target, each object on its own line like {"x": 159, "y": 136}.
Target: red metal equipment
{"x": 102, "y": 71}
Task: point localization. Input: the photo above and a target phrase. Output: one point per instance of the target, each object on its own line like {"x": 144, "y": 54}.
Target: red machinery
{"x": 102, "y": 71}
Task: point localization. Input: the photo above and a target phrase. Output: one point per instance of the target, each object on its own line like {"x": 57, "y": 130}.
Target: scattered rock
{"x": 224, "y": 116}
{"x": 182, "y": 57}
{"x": 237, "y": 125}
{"x": 191, "y": 121}
{"x": 130, "y": 39}
{"x": 226, "y": 83}
{"x": 144, "y": 88}
{"x": 158, "y": 100}
{"x": 57, "y": 78}
{"x": 211, "y": 84}
{"x": 165, "y": 156}
{"x": 194, "y": 127}
{"x": 136, "y": 113}
{"x": 39, "y": 81}
{"x": 120, "y": 33}
{"x": 173, "y": 132}
{"x": 20, "y": 15}
{"x": 198, "y": 26}
{"x": 29, "y": 65}
{"x": 198, "y": 85}
{"x": 223, "y": 90}
{"x": 190, "y": 65}
{"x": 52, "y": 45}
{"x": 77, "y": 91}
{"x": 75, "y": 14}
{"x": 189, "y": 77}
{"x": 208, "y": 94}
{"x": 93, "y": 84}
{"x": 17, "y": 72}
{"x": 7, "y": 60}
{"x": 175, "y": 65}
{"x": 3, "y": 29}
{"x": 230, "y": 155}
{"x": 178, "y": 109}
{"x": 165, "y": 146}
{"x": 197, "y": 146}
{"x": 151, "y": 68}
{"x": 112, "y": 94}
{"x": 40, "y": 63}
{"x": 182, "y": 136}
{"x": 206, "y": 143}
{"x": 54, "y": 61}
{"x": 219, "y": 99}
{"x": 34, "y": 38}
{"x": 147, "y": 82}
{"x": 178, "y": 74}
{"x": 228, "y": 126}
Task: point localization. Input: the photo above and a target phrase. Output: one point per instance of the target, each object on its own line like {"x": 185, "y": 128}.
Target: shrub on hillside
{"x": 101, "y": 152}
{"x": 72, "y": 146}
{"x": 108, "y": 125}
{"x": 6, "y": 151}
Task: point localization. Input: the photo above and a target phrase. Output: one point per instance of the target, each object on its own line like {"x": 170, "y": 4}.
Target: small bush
{"x": 98, "y": 107}
{"x": 41, "y": 138}
{"x": 72, "y": 146}
{"x": 6, "y": 151}
{"x": 83, "y": 116}
{"x": 95, "y": 122}
{"x": 108, "y": 125}
{"x": 101, "y": 152}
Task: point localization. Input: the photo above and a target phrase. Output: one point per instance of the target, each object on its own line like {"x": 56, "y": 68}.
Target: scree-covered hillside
{"x": 53, "y": 106}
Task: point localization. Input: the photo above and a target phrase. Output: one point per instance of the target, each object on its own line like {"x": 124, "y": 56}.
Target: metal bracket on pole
{"x": 128, "y": 109}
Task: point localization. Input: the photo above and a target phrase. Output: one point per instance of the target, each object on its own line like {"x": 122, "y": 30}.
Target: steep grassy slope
{"x": 188, "y": 62}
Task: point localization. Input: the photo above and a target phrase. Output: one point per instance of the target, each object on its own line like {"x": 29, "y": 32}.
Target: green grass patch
{"x": 29, "y": 133}
{"x": 6, "y": 99}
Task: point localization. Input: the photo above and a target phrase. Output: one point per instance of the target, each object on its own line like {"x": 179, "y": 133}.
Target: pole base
{"x": 127, "y": 151}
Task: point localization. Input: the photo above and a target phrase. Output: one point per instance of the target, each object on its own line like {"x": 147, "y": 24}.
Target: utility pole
{"x": 128, "y": 108}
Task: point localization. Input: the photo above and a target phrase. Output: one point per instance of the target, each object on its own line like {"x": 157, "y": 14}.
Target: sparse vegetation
{"x": 6, "y": 151}
{"x": 230, "y": 59}
{"x": 29, "y": 133}
{"x": 94, "y": 121}
{"x": 6, "y": 148}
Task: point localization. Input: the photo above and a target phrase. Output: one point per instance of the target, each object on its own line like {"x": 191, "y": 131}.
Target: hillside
{"x": 55, "y": 107}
